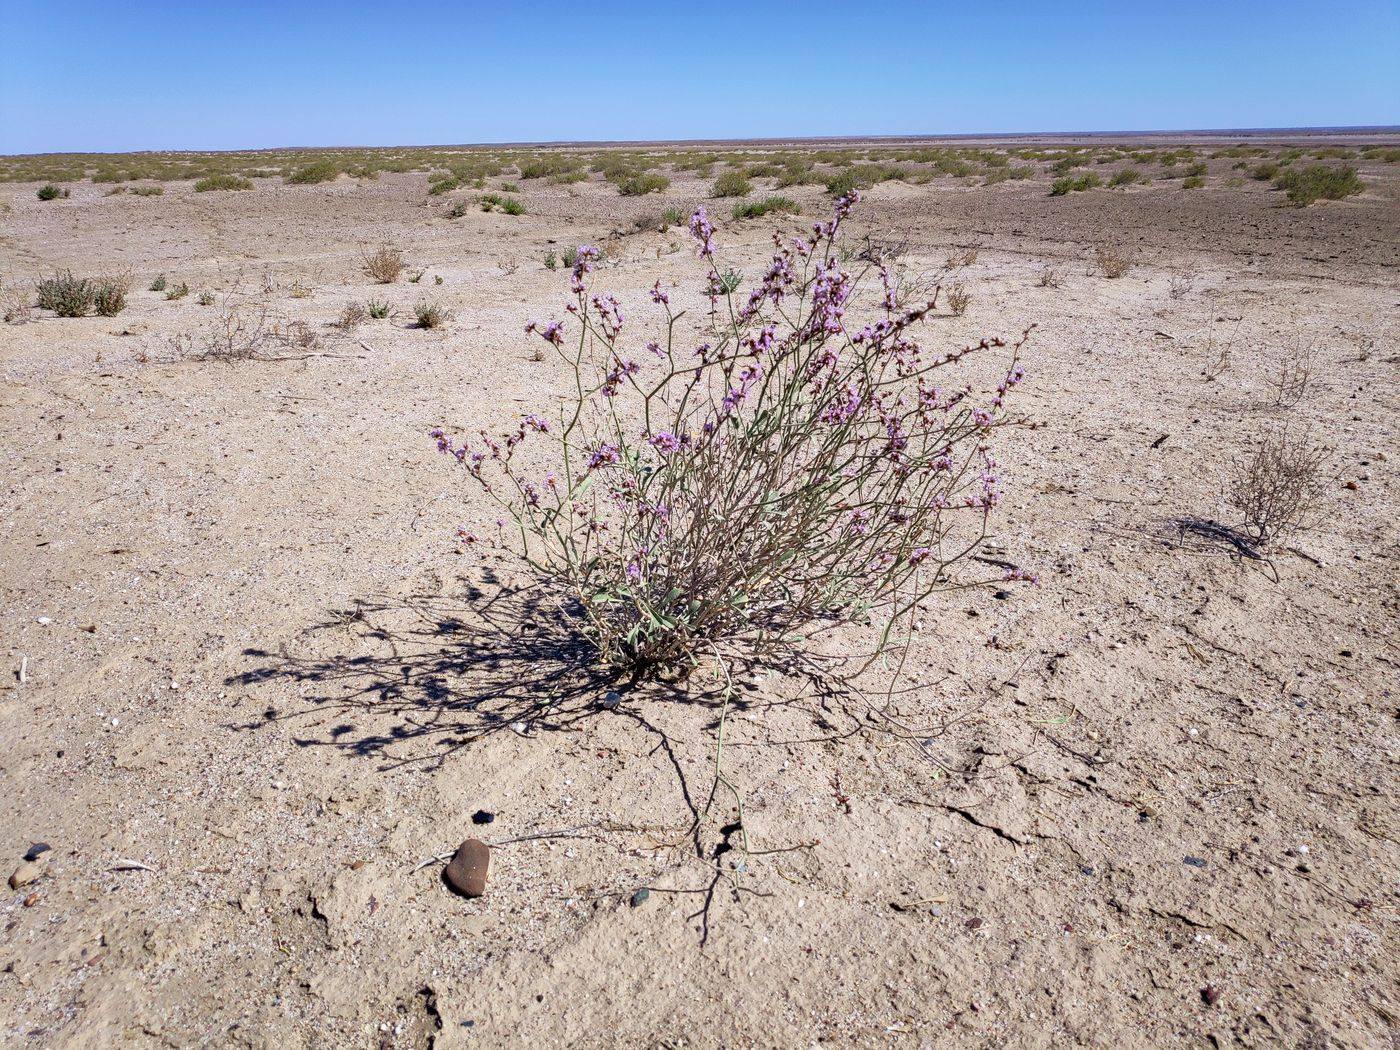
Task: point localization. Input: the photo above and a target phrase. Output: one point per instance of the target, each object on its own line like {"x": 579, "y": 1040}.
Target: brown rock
{"x": 466, "y": 871}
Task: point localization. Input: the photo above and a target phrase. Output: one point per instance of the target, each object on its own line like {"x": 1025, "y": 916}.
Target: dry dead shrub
{"x": 1292, "y": 376}
{"x": 297, "y": 334}
{"x": 1050, "y": 277}
{"x": 240, "y": 332}
{"x": 351, "y": 317}
{"x": 958, "y": 299}
{"x": 299, "y": 290}
{"x": 15, "y": 306}
{"x": 961, "y": 258}
{"x": 1181, "y": 284}
{"x": 430, "y": 315}
{"x": 384, "y": 265}
{"x": 1112, "y": 261}
{"x": 1278, "y": 487}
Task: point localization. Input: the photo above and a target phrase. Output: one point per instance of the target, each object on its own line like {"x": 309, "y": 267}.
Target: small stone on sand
{"x": 466, "y": 871}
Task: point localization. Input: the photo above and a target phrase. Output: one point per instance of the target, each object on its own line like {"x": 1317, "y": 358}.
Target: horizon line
{"x": 1337, "y": 129}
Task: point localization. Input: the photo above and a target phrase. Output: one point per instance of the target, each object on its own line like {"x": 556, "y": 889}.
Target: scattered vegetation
{"x": 378, "y": 309}
{"x": 642, "y": 183}
{"x": 1112, "y": 261}
{"x": 222, "y": 182}
{"x": 66, "y": 295}
{"x": 959, "y": 298}
{"x": 309, "y": 174}
{"x": 50, "y": 192}
{"x": 731, "y": 184}
{"x": 755, "y": 209}
{"x": 1074, "y": 184}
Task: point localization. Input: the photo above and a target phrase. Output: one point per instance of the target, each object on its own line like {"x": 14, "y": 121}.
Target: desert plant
{"x": 430, "y": 315}
{"x": 378, "y": 309}
{"x": 1125, "y": 177}
{"x": 716, "y": 505}
{"x": 239, "y": 333}
{"x": 961, "y": 258}
{"x": 1278, "y": 487}
{"x": 959, "y": 298}
{"x": 674, "y": 216}
{"x": 457, "y": 209}
{"x": 1049, "y": 277}
{"x": 731, "y": 183}
{"x": 109, "y": 295}
{"x": 49, "y": 192}
{"x": 1266, "y": 172}
{"x": 222, "y": 182}
{"x": 1193, "y": 182}
{"x": 726, "y": 283}
{"x": 1111, "y": 261}
{"x": 66, "y": 295}
{"x": 1291, "y": 376}
{"x": 551, "y": 261}
{"x": 148, "y": 191}
{"x": 755, "y": 209}
{"x": 384, "y": 265}
{"x": 1319, "y": 182}
{"x": 158, "y": 285}
{"x": 512, "y": 206}
{"x": 318, "y": 171}
{"x": 1074, "y": 184}
{"x": 178, "y": 292}
{"x": 351, "y": 317}
{"x": 642, "y": 183}
{"x": 570, "y": 257}
{"x": 205, "y": 299}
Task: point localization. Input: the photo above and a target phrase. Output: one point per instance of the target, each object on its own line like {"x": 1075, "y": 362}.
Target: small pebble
{"x": 36, "y": 849}
{"x": 610, "y": 701}
{"x": 1195, "y": 862}
{"x": 1086, "y": 870}
{"x": 483, "y": 816}
{"x": 640, "y": 897}
{"x": 1210, "y": 994}
{"x": 26, "y": 873}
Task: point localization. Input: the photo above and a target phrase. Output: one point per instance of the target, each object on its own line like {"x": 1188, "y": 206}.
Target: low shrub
{"x": 1266, "y": 172}
{"x": 222, "y": 182}
{"x": 512, "y": 206}
{"x": 318, "y": 171}
{"x": 49, "y": 192}
{"x": 1278, "y": 487}
{"x": 158, "y": 285}
{"x": 756, "y": 209}
{"x": 109, "y": 295}
{"x": 66, "y": 295}
{"x": 1319, "y": 182}
{"x": 1111, "y": 261}
{"x": 430, "y": 315}
{"x": 1125, "y": 177}
{"x": 642, "y": 183}
{"x": 731, "y": 184}
{"x": 148, "y": 191}
{"x": 383, "y": 266}
{"x": 1193, "y": 182}
{"x": 378, "y": 309}
{"x": 1074, "y": 184}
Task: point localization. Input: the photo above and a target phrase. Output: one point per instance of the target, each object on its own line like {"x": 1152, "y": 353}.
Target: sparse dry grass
{"x": 384, "y": 265}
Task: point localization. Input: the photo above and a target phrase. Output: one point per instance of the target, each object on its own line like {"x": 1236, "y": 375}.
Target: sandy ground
{"x": 1153, "y": 802}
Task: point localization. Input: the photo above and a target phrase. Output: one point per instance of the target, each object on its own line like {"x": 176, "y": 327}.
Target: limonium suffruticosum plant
{"x": 795, "y": 469}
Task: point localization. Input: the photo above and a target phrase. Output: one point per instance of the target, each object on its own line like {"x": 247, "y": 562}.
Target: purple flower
{"x": 703, "y": 231}
{"x": 538, "y": 423}
{"x": 605, "y": 456}
{"x": 666, "y": 441}
{"x": 658, "y": 296}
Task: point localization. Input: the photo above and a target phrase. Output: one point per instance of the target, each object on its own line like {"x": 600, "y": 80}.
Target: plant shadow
{"x": 411, "y": 680}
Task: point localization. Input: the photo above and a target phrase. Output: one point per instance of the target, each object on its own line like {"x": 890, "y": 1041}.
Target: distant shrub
{"x": 383, "y": 265}
{"x": 222, "y": 182}
{"x": 672, "y": 217}
{"x": 49, "y": 192}
{"x": 1266, "y": 171}
{"x": 731, "y": 184}
{"x": 1319, "y": 182}
{"x": 512, "y": 206}
{"x": 551, "y": 261}
{"x": 148, "y": 191}
{"x": 430, "y": 315}
{"x": 158, "y": 285}
{"x": 841, "y": 184}
{"x": 1278, "y": 488}
{"x": 1074, "y": 184}
{"x": 1049, "y": 277}
{"x": 1193, "y": 182}
{"x": 1199, "y": 170}
{"x": 570, "y": 257}
{"x": 642, "y": 183}
{"x": 755, "y": 209}
{"x": 66, "y": 295}
{"x": 377, "y": 309}
{"x": 205, "y": 299}
{"x": 1126, "y": 177}
{"x": 178, "y": 292}
{"x": 318, "y": 171}
{"x": 351, "y": 317}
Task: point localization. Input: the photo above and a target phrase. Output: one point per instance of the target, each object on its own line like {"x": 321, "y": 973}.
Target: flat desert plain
{"x": 253, "y": 682}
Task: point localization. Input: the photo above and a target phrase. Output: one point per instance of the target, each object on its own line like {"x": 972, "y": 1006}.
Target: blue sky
{"x": 79, "y": 75}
